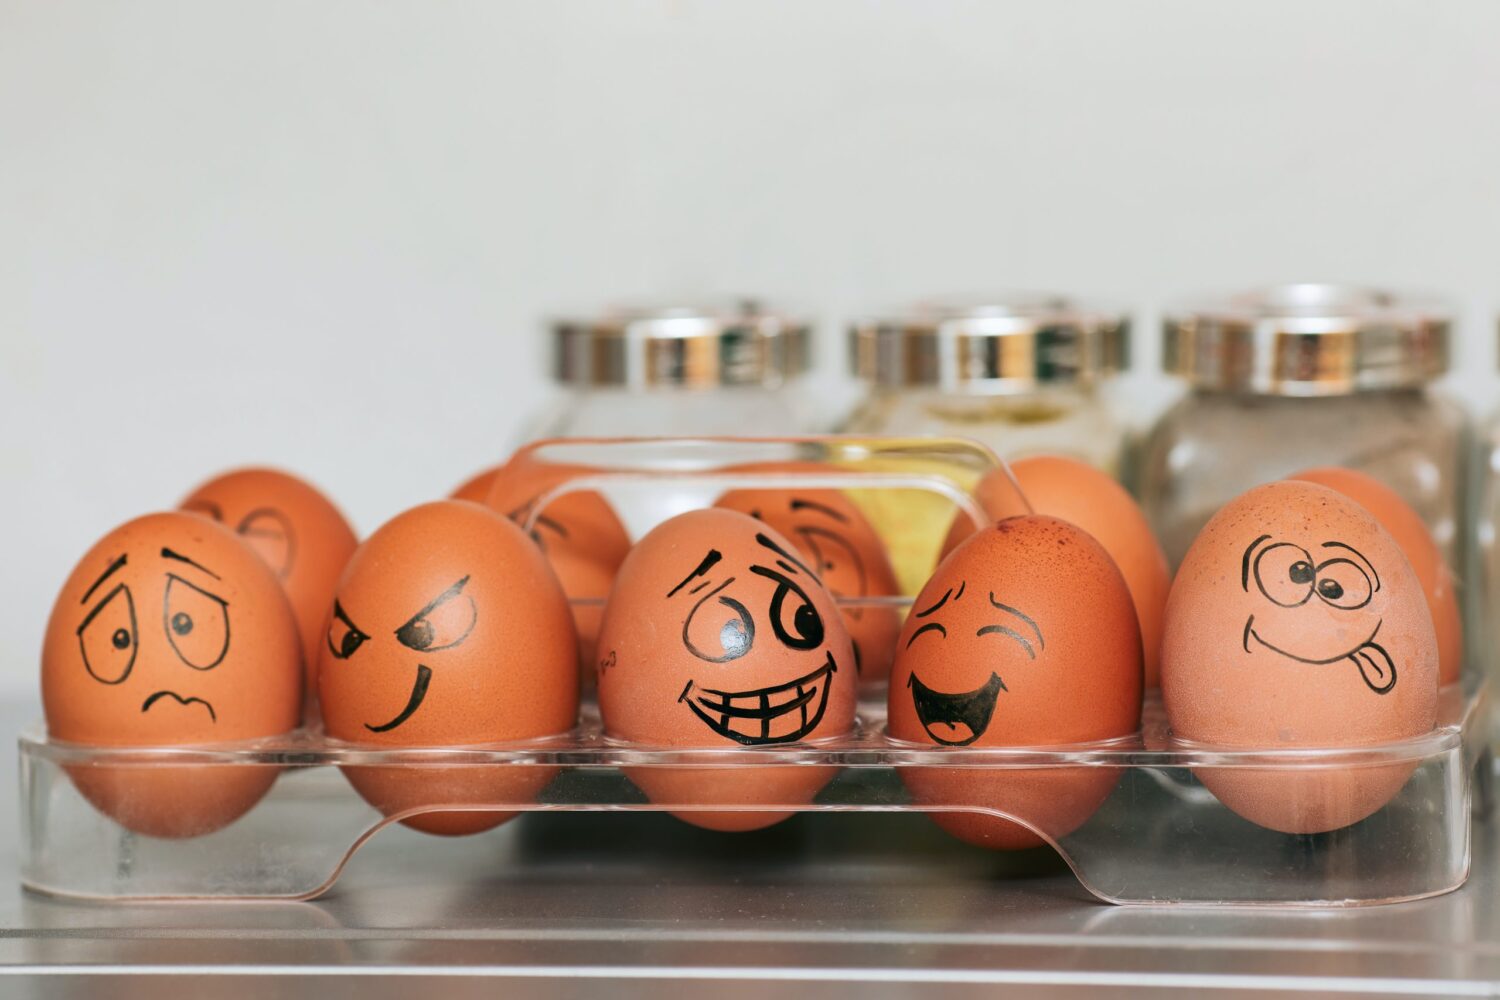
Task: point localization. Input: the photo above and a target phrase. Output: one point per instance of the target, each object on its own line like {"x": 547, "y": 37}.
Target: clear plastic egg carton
{"x": 1158, "y": 837}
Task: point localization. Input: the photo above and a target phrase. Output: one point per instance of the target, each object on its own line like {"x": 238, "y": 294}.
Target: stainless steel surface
{"x": 1008, "y": 344}
{"x": 1308, "y": 340}
{"x": 736, "y": 343}
{"x": 622, "y": 905}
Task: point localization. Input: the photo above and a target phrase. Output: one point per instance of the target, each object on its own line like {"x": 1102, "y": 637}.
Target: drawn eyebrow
{"x": 1341, "y": 545}
{"x": 1012, "y": 633}
{"x": 783, "y": 553}
{"x": 167, "y": 553}
{"x": 102, "y": 577}
{"x": 1024, "y": 617}
{"x": 963, "y": 585}
{"x": 451, "y": 592}
{"x": 799, "y": 504}
{"x": 714, "y": 555}
{"x": 941, "y": 601}
{"x": 1245, "y": 562}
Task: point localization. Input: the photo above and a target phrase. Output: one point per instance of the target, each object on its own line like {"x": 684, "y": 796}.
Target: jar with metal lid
{"x": 1018, "y": 373}
{"x": 729, "y": 369}
{"x": 1304, "y": 375}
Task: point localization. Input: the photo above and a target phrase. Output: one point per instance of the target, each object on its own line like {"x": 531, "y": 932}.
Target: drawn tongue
{"x": 1375, "y": 667}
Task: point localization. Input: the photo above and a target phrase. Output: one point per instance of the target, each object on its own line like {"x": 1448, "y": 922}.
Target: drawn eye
{"x": 344, "y": 637}
{"x": 107, "y": 637}
{"x": 1343, "y": 583}
{"x": 269, "y": 533}
{"x": 718, "y": 628}
{"x": 1285, "y": 573}
{"x": 197, "y": 623}
{"x": 793, "y": 618}
{"x": 443, "y": 624}
{"x": 929, "y": 627}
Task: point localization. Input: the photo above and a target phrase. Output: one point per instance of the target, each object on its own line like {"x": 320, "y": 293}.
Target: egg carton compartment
{"x": 1140, "y": 819}
{"x": 1156, "y": 836}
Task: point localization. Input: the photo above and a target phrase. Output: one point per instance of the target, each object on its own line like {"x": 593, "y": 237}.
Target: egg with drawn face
{"x": 294, "y": 528}
{"x": 840, "y": 545}
{"x": 1025, "y": 636}
{"x": 171, "y": 631}
{"x": 719, "y": 635}
{"x": 448, "y": 628}
{"x": 1296, "y": 621}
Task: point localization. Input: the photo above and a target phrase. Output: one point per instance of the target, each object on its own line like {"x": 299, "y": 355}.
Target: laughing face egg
{"x": 171, "y": 631}
{"x": 719, "y": 635}
{"x": 1024, "y": 636}
{"x": 448, "y": 628}
{"x": 1296, "y": 621}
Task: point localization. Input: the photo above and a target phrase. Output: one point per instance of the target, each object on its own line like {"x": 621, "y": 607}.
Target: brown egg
{"x": 580, "y": 534}
{"x": 1296, "y": 621}
{"x": 171, "y": 631}
{"x": 449, "y": 629}
{"x": 1083, "y": 495}
{"x": 297, "y": 531}
{"x": 1025, "y": 636}
{"x": 717, "y": 634}
{"x": 840, "y": 545}
{"x": 1411, "y": 533}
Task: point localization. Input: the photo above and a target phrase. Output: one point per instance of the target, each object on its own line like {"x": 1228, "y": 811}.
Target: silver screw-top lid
{"x": 741, "y": 343}
{"x": 1307, "y": 340}
{"x": 1006, "y": 344}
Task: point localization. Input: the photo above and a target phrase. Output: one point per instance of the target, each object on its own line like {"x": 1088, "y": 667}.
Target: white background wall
{"x": 321, "y": 234}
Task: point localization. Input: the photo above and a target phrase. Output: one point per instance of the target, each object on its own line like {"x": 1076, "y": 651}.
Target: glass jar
{"x": 703, "y": 370}
{"x": 1020, "y": 374}
{"x": 1302, "y": 375}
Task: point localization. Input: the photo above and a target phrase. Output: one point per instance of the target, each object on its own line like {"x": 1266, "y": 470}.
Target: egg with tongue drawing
{"x": 1025, "y": 636}
{"x": 719, "y": 635}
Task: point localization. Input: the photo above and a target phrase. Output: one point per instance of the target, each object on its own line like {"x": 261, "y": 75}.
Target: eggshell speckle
{"x": 448, "y": 629}
{"x": 1411, "y": 533}
{"x": 1085, "y": 496}
{"x": 1296, "y": 621}
{"x": 1024, "y": 636}
{"x": 171, "y": 631}
{"x": 841, "y": 546}
{"x": 299, "y": 533}
{"x": 579, "y": 533}
{"x": 718, "y": 635}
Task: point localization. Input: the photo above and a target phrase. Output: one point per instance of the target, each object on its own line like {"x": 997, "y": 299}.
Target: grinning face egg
{"x": 718, "y": 634}
{"x": 1024, "y": 636}
{"x": 448, "y": 628}
{"x": 171, "y": 631}
{"x": 1296, "y": 621}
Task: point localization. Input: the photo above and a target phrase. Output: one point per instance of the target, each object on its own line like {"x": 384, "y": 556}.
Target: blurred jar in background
{"x": 1020, "y": 374}
{"x": 701, "y": 370}
{"x": 1301, "y": 375}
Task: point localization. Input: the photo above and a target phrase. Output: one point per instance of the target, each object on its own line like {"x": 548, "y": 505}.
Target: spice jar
{"x": 705, "y": 370}
{"x": 1302, "y": 375}
{"x": 1020, "y": 374}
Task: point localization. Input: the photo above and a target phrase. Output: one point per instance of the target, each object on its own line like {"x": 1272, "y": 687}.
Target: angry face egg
{"x": 1296, "y": 621}
{"x": 448, "y": 628}
{"x": 171, "y": 631}
{"x": 718, "y": 634}
{"x": 1024, "y": 636}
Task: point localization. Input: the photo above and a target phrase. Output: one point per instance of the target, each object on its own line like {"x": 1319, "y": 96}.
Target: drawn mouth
{"x": 1376, "y": 668}
{"x": 964, "y": 716}
{"x": 760, "y": 716}
{"x": 418, "y": 692}
{"x": 158, "y": 696}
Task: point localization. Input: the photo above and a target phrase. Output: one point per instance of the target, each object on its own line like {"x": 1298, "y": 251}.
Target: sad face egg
{"x": 719, "y": 635}
{"x": 171, "y": 631}
{"x": 1296, "y": 621}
